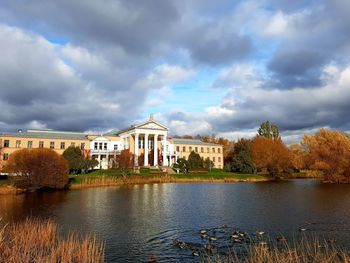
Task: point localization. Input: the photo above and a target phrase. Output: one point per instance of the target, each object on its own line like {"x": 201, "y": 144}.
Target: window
{"x": 63, "y": 145}
{"x": 213, "y": 159}
{"x": 190, "y": 148}
{"x": 208, "y": 150}
{"x": 116, "y": 147}
{"x": 184, "y": 148}
{"x": 177, "y": 148}
{"x": 52, "y": 145}
{"x": 18, "y": 143}
{"x": 219, "y": 150}
{"x": 213, "y": 150}
{"x": 96, "y": 146}
{"x": 100, "y": 146}
{"x": 196, "y": 149}
{"x": 105, "y": 146}
{"x": 30, "y": 144}
{"x": 5, "y": 156}
{"x": 41, "y": 144}
{"x": 72, "y": 144}
{"x": 202, "y": 150}
{"x": 219, "y": 159}
{"x": 6, "y": 143}
{"x": 82, "y": 146}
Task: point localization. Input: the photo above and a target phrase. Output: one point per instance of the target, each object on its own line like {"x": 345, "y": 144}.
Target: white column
{"x": 155, "y": 147}
{"x": 165, "y": 161}
{"x": 171, "y": 160}
{"x": 136, "y": 152}
{"x": 145, "y": 163}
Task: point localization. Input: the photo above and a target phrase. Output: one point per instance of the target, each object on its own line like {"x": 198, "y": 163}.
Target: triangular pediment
{"x": 152, "y": 125}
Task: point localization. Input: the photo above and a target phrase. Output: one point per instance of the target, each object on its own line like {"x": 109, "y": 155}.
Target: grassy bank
{"x": 38, "y": 241}
{"x": 113, "y": 178}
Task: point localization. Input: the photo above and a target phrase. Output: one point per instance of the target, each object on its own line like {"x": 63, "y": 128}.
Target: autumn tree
{"x": 124, "y": 161}
{"x": 329, "y": 152}
{"x": 38, "y": 168}
{"x": 271, "y": 156}
{"x": 269, "y": 130}
{"x": 298, "y": 156}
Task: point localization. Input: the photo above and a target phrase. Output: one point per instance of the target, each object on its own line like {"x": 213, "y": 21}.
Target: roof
{"x": 135, "y": 126}
{"x": 48, "y": 134}
{"x": 193, "y": 142}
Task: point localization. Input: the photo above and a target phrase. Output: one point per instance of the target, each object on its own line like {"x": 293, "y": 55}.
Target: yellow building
{"x": 141, "y": 139}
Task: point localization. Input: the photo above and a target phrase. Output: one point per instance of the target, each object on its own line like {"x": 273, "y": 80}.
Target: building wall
{"x": 214, "y": 153}
{"x": 35, "y": 144}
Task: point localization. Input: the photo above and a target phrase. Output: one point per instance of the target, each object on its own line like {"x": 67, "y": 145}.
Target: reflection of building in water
{"x": 148, "y": 141}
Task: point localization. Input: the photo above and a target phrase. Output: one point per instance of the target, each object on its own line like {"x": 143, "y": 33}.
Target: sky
{"x": 200, "y": 66}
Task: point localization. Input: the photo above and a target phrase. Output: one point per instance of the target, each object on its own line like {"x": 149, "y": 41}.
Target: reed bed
{"x": 136, "y": 179}
{"x": 36, "y": 240}
{"x": 305, "y": 251}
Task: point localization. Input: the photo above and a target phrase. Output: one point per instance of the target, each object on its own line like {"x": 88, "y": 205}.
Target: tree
{"x": 124, "y": 161}
{"x": 242, "y": 157}
{"x": 39, "y": 168}
{"x": 271, "y": 156}
{"x": 298, "y": 156}
{"x": 269, "y": 130}
{"x": 208, "y": 164}
{"x": 195, "y": 161}
{"x": 77, "y": 161}
{"x": 329, "y": 153}
{"x": 181, "y": 164}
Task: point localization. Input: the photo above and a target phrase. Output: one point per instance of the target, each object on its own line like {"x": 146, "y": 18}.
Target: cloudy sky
{"x": 200, "y": 66}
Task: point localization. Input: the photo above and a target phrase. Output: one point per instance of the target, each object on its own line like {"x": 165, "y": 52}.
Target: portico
{"x": 147, "y": 141}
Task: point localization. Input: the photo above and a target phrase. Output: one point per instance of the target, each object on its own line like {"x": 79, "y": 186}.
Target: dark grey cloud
{"x": 297, "y": 68}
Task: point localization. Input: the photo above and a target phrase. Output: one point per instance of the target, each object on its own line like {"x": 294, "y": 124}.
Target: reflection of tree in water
{"x": 18, "y": 207}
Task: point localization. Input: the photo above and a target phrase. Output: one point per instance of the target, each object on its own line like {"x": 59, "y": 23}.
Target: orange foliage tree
{"x": 271, "y": 156}
{"x": 298, "y": 156}
{"x": 39, "y": 168}
{"x": 329, "y": 153}
{"x": 124, "y": 161}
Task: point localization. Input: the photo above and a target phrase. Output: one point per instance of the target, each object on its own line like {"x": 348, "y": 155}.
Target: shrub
{"x": 76, "y": 160}
{"x": 38, "y": 168}
{"x": 124, "y": 161}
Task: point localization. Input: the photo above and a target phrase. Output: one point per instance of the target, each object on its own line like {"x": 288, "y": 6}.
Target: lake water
{"x": 140, "y": 221}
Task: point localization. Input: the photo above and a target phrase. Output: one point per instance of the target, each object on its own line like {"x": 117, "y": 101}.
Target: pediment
{"x": 101, "y": 138}
{"x": 152, "y": 125}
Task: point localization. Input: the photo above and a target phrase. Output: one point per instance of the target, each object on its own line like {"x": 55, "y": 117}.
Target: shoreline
{"x": 106, "y": 181}
{"x": 156, "y": 180}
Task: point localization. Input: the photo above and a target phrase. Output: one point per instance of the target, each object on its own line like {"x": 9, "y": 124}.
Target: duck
{"x": 203, "y": 231}
{"x": 195, "y": 253}
{"x": 212, "y": 238}
{"x": 302, "y": 229}
{"x": 260, "y": 233}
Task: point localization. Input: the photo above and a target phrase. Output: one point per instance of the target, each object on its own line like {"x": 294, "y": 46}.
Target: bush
{"x": 38, "y": 168}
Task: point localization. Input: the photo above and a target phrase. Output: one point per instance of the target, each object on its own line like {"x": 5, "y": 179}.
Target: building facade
{"x": 148, "y": 142}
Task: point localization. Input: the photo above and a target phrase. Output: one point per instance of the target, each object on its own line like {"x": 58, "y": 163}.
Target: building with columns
{"x": 148, "y": 142}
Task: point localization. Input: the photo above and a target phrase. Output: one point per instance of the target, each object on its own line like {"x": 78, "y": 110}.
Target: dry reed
{"x": 36, "y": 240}
{"x": 305, "y": 251}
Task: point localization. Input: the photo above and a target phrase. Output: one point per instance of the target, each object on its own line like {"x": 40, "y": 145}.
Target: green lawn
{"x": 5, "y": 182}
{"x": 220, "y": 174}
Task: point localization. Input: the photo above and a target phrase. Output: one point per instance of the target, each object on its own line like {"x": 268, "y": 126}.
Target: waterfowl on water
{"x": 260, "y": 233}
{"x": 302, "y": 229}
{"x": 195, "y": 253}
{"x": 203, "y": 231}
{"x": 212, "y": 238}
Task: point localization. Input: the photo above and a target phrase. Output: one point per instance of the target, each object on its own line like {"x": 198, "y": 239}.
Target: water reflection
{"x": 142, "y": 220}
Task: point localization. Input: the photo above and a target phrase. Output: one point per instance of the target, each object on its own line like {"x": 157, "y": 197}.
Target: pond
{"x": 140, "y": 221}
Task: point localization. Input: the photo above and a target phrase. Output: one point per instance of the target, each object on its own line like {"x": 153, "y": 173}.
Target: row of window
{"x": 190, "y": 149}
{"x": 103, "y": 146}
{"x": 213, "y": 159}
{"x": 42, "y": 144}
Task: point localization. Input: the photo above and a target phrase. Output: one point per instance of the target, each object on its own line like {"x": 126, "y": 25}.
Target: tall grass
{"x": 36, "y": 240}
{"x": 303, "y": 251}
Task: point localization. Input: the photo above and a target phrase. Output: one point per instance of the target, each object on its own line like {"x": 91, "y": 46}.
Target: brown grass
{"x": 10, "y": 189}
{"x": 136, "y": 179}
{"x": 304, "y": 251}
{"x": 36, "y": 240}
